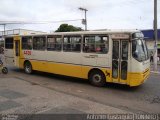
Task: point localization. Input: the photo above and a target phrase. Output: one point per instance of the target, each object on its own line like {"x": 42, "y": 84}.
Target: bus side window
{"x": 50, "y": 43}
{"x": 26, "y": 43}
{"x": 54, "y": 43}
{"x": 58, "y": 44}
{"x": 76, "y": 44}
{"x": 72, "y": 43}
{"x": 96, "y": 44}
{"x": 39, "y": 43}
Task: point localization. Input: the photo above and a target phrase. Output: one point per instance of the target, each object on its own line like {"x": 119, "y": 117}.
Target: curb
{"x": 156, "y": 72}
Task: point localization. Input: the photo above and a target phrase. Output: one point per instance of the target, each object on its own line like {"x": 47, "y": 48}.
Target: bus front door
{"x": 16, "y": 52}
{"x": 120, "y": 61}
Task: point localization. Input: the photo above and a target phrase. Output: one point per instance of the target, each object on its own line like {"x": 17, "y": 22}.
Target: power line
{"x": 35, "y": 22}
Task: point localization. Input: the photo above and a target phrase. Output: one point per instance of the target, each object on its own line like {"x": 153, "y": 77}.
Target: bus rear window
{"x": 9, "y": 43}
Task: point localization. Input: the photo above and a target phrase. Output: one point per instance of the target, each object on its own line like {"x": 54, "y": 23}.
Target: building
{"x": 18, "y": 32}
{"x": 149, "y": 38}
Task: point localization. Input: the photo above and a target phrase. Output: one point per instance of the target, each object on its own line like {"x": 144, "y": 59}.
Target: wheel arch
{"x": 26, "y": 62}
{"x": 95, "y": 69}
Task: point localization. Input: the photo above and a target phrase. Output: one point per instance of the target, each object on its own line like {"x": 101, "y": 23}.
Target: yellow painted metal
{"x": 134, "y": 79}
{"x": 17, "y": 58}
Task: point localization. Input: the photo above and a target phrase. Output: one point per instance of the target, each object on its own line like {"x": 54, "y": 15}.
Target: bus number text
{"x": 27, "y": 52}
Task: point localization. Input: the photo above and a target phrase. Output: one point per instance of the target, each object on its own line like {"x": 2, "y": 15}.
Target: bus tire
{"x": 28, "y": 67}
{"x": 97, "y": 78}
{"x": 4, "y": 70}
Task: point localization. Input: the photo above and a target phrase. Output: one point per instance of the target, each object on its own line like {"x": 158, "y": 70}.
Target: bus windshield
{"x": 139, "y": 50}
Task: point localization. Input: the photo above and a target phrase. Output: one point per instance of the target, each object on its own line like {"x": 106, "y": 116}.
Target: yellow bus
{"x": 100, "y": 56}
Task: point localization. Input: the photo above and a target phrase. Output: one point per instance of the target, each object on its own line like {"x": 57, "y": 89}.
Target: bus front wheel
{"x": 28, "y": 68}
{"x": 97, "y": 78}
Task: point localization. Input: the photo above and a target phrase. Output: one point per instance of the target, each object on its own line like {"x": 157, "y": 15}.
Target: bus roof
{"x": 84, "y": 32}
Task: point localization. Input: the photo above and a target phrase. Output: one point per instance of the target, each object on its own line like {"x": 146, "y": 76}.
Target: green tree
{"x": 67, "y": 28}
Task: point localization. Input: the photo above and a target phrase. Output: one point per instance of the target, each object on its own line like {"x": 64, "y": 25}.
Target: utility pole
{"x": 84, "y": 21}
{"x": 155, "y": 34}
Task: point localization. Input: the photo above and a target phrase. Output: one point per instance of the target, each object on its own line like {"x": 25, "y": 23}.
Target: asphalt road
{"x": 142, "y": 99}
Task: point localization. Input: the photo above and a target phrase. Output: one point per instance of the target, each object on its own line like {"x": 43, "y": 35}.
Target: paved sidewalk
{"x": 19, "y": 97}
{"x": 2, "y": 58}
{"x": 158, "y": 68}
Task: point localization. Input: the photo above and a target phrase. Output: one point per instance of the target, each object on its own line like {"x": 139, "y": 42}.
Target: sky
{"x": 101, "y": 14}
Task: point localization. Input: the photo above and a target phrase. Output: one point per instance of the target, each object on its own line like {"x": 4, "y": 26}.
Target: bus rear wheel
{"x": 28, "y": 68}
{"x": 97, "y": 78}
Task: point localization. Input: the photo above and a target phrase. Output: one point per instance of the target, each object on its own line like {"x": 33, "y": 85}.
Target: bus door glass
{"x": 16, "y": 51}
{"x": 119, "y": 61}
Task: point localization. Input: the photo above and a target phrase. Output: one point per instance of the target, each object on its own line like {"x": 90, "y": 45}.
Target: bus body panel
{"x": 9, "y": 56}
{"x": 63, "y": 63}
{"x": 139, "y": 72}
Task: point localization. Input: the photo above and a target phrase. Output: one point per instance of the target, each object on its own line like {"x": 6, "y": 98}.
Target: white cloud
{"x": 101, "y": 13}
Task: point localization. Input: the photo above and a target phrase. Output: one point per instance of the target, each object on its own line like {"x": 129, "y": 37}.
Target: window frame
{"x": 94, "y": 35}
{"x": 54, "y": 36}
{"x": 140, "y": 49}
{"x": 31, "y": 42}
{"x": 44, "y": 43}
{"x": 72, "y": 36}
{"x": 12, "y": 44}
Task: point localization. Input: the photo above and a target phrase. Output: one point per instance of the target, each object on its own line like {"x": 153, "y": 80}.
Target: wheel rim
{"x": 28, "y": 68}
{"x": 97, "y": 78}
{"x": 4, "y": 70}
